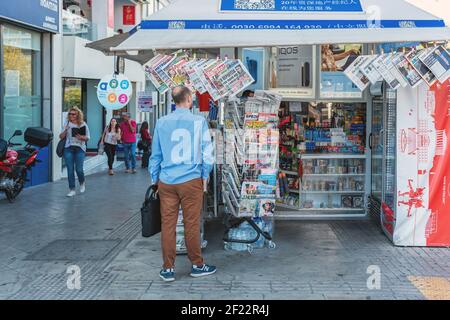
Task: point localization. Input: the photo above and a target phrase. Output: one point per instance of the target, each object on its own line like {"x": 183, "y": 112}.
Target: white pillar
{"x": 56, "y": 115}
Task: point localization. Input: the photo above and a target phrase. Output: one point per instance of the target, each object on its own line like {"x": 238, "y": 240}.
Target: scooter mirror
{"x": 17, "y": 133}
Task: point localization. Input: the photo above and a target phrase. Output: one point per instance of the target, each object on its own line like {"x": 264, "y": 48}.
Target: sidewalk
{"x": 44, "y": 233}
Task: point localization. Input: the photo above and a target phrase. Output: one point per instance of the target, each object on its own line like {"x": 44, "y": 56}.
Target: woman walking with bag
{"x": 110, "y": 138}
{"x": 146, "y": 142}
{"x": 76, "y": 133}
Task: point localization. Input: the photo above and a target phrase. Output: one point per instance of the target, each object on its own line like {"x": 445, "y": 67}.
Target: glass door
{"x": 389, "y": 165}
{"x": 377, "y": 146}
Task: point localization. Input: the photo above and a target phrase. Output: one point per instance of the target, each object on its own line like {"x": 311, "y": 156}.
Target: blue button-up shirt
{"x": 181, "y": 148}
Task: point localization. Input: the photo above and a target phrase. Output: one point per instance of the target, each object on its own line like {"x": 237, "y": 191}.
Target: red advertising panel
{"x": 438, "y": 226}
{"x": 423, "y": 164}
{"x": 129, "y": 15}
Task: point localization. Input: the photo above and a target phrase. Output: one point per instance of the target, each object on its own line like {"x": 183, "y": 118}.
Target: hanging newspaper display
{"x": 401, "y": 69}
{"x": 220, "y": 78}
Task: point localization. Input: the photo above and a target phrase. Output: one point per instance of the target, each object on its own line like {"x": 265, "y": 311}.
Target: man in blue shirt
{"x": 182, "y": 159}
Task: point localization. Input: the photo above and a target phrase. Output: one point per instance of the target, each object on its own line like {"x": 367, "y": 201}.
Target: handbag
{"x": 151, "y": 214}
{"x": 101, "y": 149}
{"x": 60, "y": 148}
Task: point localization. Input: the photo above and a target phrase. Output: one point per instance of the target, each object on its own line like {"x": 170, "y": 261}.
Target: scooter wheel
{"x": 10, "y": 196}
{"x": 250, "y": 248}
{"x": 272, "y": 245}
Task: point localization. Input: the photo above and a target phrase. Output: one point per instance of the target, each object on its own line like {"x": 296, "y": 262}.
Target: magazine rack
{"x": 249, "y": 173}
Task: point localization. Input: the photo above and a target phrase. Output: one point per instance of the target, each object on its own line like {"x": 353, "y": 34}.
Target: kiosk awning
{"x": 105, "y": 45}
{"x": 201, "y": 24}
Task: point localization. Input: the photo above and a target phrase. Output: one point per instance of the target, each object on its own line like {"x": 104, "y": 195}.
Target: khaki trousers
{"x": 190, "y": 196}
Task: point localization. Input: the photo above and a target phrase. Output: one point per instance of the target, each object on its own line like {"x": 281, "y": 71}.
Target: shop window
{"x": 21, "y": 75}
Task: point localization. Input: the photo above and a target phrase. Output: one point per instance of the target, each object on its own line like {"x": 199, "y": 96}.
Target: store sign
{"x": 423, "y": 167}
{"x": 41, "y": 14}
{"x": 291, "y": 5}
{"x": 114, "y": 92}
{"x": 129, "y": 15}
{"x": 303, "y": 24}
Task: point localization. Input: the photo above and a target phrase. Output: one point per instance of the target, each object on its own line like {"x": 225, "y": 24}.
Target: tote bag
{"x": 151, "y": 214}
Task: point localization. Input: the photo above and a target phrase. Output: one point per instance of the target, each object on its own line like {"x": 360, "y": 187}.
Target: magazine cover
{"x": 248, "y": 207}
{"x": 153, "y": 76}
{"x": 407, "y": 70}
{"x": 389, "y": 63}
{"x": 438, "y": 61}
{"x": 369, "y": 70}
{"x": 421, "y": 68}
{"x": 266, "y": 207}
{"x": 354, "y": 73}
{"x": 193, "y": 74}
{"x": 384, "y": 72}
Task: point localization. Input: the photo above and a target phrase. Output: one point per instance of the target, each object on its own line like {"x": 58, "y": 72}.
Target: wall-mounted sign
{"x": 129, "y": 15}
{"x": 41, "y": 14}
{"x": 114, "y": 91}
{"x": 291, "y": 5}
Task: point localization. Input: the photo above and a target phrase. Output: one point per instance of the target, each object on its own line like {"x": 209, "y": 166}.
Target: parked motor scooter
{"x": 14, "y": 164}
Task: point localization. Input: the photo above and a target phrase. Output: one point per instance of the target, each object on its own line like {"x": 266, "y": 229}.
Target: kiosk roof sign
{"x": 291, "y": 5}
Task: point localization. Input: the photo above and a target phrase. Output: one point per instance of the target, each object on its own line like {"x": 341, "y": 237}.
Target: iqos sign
{"x": 114, "y": 92}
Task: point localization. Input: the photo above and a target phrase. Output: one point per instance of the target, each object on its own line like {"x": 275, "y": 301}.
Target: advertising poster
{"x": 423, "y": 167}
{"x": 335, "y": 59}
{"x": 254, "y": 60}
{"x": 293, "y": 67}
{"x": 407, "y": 70}
{"x": 438, "y": 61}
{"x": 353, "y": 72}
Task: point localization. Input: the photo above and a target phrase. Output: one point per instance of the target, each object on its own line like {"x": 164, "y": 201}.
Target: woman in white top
{"x": 110, "y": 138}
{"x": 76, "y": 133}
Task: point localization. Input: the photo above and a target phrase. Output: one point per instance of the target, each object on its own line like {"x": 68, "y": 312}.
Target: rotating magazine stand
{"x": 249, "y": 175}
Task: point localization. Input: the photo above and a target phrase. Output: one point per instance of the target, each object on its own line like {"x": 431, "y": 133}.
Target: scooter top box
{"x": 38, "y": 136}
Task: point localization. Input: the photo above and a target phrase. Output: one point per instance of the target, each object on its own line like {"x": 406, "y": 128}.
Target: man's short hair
{"x": 180, "y": 94}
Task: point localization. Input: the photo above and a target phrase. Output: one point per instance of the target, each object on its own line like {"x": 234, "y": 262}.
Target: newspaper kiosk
{"x": 325, "y": 91}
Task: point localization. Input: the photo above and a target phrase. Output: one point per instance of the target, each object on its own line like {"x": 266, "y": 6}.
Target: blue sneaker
{"x": 168, "y": 275}
{"x": 201, "y": 271}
